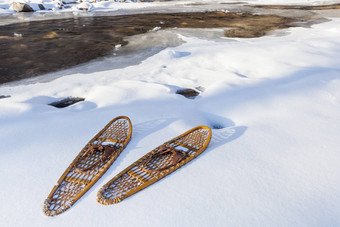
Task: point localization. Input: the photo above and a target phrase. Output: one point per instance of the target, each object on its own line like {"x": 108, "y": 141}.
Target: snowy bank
{"x": 43, "y": 6}
{"x": 274, "y": 104}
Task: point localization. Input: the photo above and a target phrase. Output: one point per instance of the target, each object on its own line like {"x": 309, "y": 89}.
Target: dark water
{"x": 34, "y": 48}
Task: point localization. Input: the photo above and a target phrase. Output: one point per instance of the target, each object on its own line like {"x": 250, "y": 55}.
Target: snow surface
{"x": 273, "y": 162}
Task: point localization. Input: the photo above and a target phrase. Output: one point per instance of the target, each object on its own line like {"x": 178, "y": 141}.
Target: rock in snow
{"x": 66, "y": 102}
{"x": 21, "y": 7}
{"x": 84, "y": 6}
{"x": 4, "y": 96}
{"x": 188, "y": 93}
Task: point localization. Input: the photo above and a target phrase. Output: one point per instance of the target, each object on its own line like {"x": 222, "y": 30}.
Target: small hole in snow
{"x": 216, "y": 125}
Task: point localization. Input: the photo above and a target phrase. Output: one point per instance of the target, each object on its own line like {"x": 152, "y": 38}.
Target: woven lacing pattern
{"x": 136, "y": 177}
{"x": 76, "y": 182}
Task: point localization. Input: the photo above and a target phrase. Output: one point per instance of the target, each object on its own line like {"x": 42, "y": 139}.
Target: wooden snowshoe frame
{"x": 90, "y": 164}
{"x": 155, "y": 165}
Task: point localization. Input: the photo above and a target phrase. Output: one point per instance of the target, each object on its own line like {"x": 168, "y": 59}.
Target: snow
{"x": 84, "y": 6}
{"x": 274, "y": 161}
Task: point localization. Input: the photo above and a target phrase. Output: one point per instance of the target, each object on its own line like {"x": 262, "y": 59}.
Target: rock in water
{"x": 21, "y": 7}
